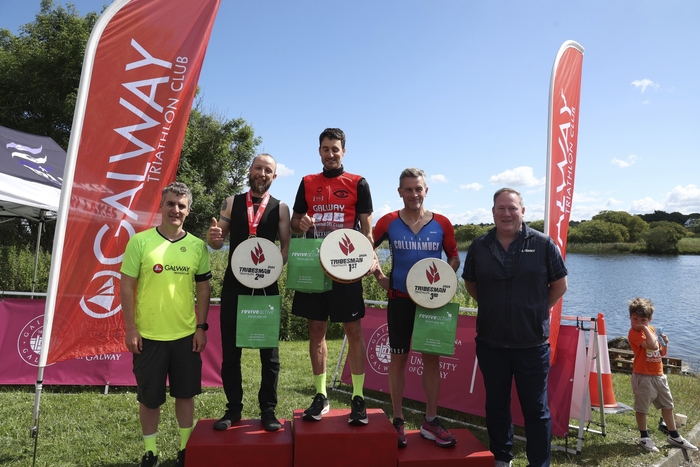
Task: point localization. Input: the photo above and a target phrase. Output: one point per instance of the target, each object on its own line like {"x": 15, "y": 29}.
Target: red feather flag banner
{"x": 562, "y": 136}
{"x": 139, "y": 77}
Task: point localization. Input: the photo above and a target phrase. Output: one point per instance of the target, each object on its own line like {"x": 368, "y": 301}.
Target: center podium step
{"x": 332, "y": 441}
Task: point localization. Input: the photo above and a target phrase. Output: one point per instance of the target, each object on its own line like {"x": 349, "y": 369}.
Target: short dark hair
{"x": 332, "y": 133}
{"x": 412, "y": 172}
{"x": 642, "y": 307}
{"x": 508, "y": 190}
{"x": 179, "y": 189}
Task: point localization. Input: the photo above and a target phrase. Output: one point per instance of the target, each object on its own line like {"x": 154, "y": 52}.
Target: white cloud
{"x": 683, "y": 199}
{"x": 645, "y": 205}
{"x": 477, "y": 216}
{"x": 438, "y": 178}
{"x": 519, "y": 176}
{"x": 585, "y": 197}
{"x": 631, "y": 159}
{"x": 534, "y": 191}
{"x": 587, "y": 205}
{"x": 472, "y": 186}
{"x": 644, "y": 84}
{"x": 534, "y": 212}
{"x": 612, "y": 202}
{"x": 582, "y": 212}
{"x": 382, "y": 210}
{"x": 441, "y": 208}
{"x": 284, "y": 171}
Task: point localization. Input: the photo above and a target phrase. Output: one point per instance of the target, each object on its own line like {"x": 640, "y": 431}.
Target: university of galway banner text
{"x": 21, "y": 331}
{"x": 461, "y": 383}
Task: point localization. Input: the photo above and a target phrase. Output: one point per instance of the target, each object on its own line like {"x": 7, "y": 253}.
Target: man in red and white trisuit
{"x": 327, "y": 201}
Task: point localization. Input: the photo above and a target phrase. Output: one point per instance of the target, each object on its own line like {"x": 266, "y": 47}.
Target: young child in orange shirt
{"x": 649, "y": 383}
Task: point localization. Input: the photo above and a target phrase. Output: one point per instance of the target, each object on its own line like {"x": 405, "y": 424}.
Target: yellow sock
{"x": 185, "y": 436}
{"x": 358, "y": 382}
{"x": 150, "y": 442}
{"x": 320, "y": 383}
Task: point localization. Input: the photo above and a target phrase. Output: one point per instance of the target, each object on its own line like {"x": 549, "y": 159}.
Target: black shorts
{"x": 400, "y": 315}
{"x": 172, "y": 359}
{"x": 343, "y": 303}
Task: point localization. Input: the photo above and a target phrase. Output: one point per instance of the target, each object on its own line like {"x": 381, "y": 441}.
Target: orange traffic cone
{"x": 606, "y": 376}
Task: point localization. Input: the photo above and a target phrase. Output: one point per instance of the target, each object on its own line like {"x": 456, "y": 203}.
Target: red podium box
{"x": 468, "y": 452}
{"x": 245, "y": 444}
{"x": 332, "y": 441}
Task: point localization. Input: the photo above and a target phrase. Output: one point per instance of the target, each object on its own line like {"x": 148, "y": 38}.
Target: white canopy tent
{"x": 31, "y": 175}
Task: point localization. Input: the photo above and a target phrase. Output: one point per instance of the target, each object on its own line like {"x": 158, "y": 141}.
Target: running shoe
{"x": 225, "y": 422}
{"x": 149, "y": 460}
{"x": 662, "y": 426}
{"x": 648, "y": 444}
{"x": 318, "y": 407}
{"x": 180, "y": 462}
{"x": 681, "y": 442}
{"x": 436, "y": 432}
{"x": 358, "y": 413}
{"x": 401, "y": 430}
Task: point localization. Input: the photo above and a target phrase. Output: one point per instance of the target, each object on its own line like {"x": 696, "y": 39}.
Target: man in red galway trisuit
{"x": 325, "y": 202}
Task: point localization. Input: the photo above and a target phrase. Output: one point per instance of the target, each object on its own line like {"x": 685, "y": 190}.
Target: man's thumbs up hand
{"x": 214, "y": 234}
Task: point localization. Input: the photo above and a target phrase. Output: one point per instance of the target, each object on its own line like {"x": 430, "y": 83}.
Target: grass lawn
{"x": 80, "y": 426}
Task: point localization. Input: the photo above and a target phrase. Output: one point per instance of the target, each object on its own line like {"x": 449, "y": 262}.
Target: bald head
{"x": 262, "y": 171}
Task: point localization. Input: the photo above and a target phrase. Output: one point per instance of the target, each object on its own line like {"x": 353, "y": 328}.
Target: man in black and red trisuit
{"x": 327, "y": 201}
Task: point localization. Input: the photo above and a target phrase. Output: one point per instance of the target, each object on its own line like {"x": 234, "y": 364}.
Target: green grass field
{"x": 81, "y": 426}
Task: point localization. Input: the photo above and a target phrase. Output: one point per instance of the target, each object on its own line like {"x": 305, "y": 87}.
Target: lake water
{"x": 606, "y": 283}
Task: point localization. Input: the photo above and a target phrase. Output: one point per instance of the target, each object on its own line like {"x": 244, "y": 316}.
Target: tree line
{"x": 660, "y": 231}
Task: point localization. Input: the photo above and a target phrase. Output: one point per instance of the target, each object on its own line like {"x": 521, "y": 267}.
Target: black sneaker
{"x": 662, "y": 426}
{"x": 269, "y": 420}
{"x": 180, "y": 462}
{"x": 358, "y": 414}
{"x": 318, "y": 407}
{"x": 225, "y": 422}
{"x": 149, "y": 460}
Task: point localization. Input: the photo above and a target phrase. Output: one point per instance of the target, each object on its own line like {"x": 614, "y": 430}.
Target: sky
{"x": 460, "y": 89}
